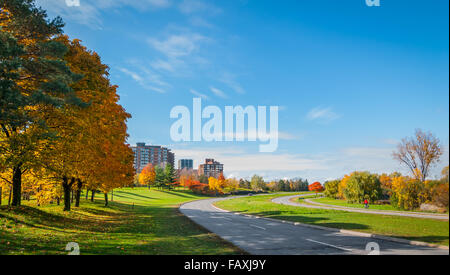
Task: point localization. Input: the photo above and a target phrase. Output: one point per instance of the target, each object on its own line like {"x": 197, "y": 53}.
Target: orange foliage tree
{"x": 316, "y": 187}
{"x": 147, "y": 176}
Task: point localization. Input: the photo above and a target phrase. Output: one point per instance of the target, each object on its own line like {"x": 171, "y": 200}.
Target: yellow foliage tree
{"x": 148, "y": 175}
{"x": 408, "y": 193}
{"x": 341, "y": 187}
{"x": 231, "y": 185}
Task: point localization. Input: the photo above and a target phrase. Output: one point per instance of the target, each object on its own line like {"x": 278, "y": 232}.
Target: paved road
{"x": 264, "y": 237}
{"x": 287, "y": 201}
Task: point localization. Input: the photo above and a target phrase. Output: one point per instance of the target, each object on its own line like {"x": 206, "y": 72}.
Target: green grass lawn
{"x": 427, "y": 230}
{"x": 152, "y": 226}
{"x": 346, "y": 204}
{"x": 336, "y": 202}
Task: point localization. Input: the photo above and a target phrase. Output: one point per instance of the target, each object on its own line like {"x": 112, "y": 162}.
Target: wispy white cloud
{"x": 146, "y": 78}
{"x": 164, "y": 65}
{"x": 203, "y": 96}
{"x": 218, "y": 92}
{"x": 89, "y": 11}
{"x": 322, "y": 114}
{"x": 200, "y": 22}
{"x": 141, "y": 4}
{"x": 264, "y": 136}
{"x": 176, "y": 46}
{"x": 318, "y": 167}
{"x": 230, "y": 80}
{"x": 195, "y": 6}
{"x": 236, "y": 160}
{"x": 180, "y": 52}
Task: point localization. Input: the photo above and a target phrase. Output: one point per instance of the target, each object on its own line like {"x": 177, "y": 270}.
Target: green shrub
{"x": 332, "y": 189}
{"x": 361, "y": 186}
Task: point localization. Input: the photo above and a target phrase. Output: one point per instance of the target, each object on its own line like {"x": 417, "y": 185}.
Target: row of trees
{"x": 159, "y": 177}
{"x": 405, "y": 192}
{"x": 61, "y": 127}
{"x": 293, "y": 185}
{"x": 167, "y": 178}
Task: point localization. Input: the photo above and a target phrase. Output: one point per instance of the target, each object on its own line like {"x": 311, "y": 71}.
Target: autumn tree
{"x": 34, "y": 77}
{"x": 147, "y": 176}
{"x": 361, "y": 186}
{"x": 90, "y": 151}
{"x": 257, "y": 183}
{"x": 444, "y": 175}
{"x": 231, "y": 184}
{"x": 332, "y": 188}
{"x": 342, "y": 186}
{"x": 316, "y": 187}
{"x": 408, "y": 193}
{"x": 419, "y": 153}
{"x": 213, "y": 185}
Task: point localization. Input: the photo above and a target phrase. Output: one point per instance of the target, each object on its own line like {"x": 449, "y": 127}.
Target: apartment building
{"x": 210, "y": 168}
{"x": 156, "y": 155}
{"x": 185, "y": 164}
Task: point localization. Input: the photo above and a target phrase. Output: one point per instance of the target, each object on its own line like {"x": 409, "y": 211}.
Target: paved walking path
{"x": 287, "y": 200}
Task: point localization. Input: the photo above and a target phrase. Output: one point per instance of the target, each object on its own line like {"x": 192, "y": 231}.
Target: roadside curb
{"x": 345, "y": 231}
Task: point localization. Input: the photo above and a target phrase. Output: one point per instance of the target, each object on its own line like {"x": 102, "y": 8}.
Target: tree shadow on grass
{"x": 175, "y": 193}
{"x": 117, "y": 193}
{"x": 141, "y": 228}
{"x": 59, "y": 221}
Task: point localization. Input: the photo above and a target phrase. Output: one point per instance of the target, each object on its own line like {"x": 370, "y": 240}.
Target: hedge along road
{"x": 260, "y": 236}
{"x": 288, "y": 201}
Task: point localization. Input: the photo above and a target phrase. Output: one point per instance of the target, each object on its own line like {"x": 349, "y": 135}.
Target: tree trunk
{"x": 1, "y": 196}
{"x": 92, "y": 195}
{"x": 67, "y": 190}
{"x": 78, "y": 193}
{"x": 112, "y": 195}
{"x": 9, "y": 198}
{"x": 16, "y": 186}
{"x": 87, "y": 194}
{"x": 106, "y": 199}
{"x": 58, "y": 199}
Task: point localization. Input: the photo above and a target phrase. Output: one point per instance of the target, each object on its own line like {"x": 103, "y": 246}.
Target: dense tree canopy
{"x": 62, "y": 128}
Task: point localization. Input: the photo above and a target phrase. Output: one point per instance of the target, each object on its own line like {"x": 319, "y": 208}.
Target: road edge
{"x": 178, "y": 210}
{"x": 345, "y": 231}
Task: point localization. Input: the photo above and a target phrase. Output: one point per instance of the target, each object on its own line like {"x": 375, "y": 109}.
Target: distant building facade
{"x": 156, "y": 155}
{"x": 210, "y": 168}
{"x": 186, "y": 164}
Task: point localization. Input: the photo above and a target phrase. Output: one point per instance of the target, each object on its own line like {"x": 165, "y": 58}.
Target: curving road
{"x": 260, "y": 236}
{"x": 288, "y": 201}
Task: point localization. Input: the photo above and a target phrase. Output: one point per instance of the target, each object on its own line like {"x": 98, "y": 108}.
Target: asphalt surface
{"x": 259, "y": 236}
{"x": 287, "y": 201}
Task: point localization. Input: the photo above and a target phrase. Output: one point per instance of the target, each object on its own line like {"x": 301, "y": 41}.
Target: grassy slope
{"x": 153, "y": 226}
{"x": 428, "y": 230}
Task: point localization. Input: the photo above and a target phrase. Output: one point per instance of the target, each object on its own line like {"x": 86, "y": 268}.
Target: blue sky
{"x": 351, "y": 80}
